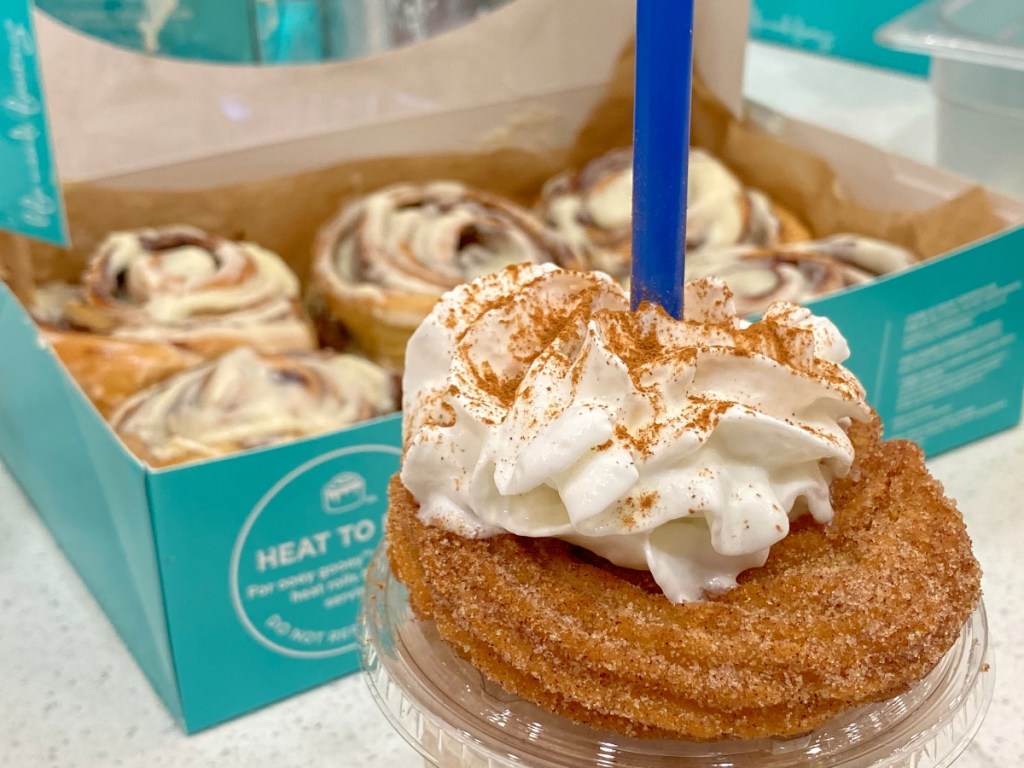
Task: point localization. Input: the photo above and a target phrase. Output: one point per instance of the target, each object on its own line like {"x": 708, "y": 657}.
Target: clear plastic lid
{"x": 454, "y": 717}
{"x": 987, "y": 32}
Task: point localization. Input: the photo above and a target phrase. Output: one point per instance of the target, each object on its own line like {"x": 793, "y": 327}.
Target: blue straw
{"x": 661, "y": 138}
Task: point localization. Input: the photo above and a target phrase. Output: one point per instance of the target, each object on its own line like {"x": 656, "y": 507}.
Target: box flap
{"x": 265, "y": 552}
{"x": 90, "y": 493}
{"x": 523, "y": 75}
{"x": 116, "y": 110}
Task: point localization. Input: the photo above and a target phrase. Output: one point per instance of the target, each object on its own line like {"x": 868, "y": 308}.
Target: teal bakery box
{"x": 940, "y": 348}
{"x": 234, "y": 582}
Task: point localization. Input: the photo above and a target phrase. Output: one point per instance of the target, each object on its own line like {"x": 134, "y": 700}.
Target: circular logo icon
{"x": 299, "y": 563}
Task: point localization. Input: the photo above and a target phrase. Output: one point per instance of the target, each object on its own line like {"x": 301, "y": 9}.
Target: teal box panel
{"x": 30, "y": 196}
{"x": 842, "y": 29}
{"x": 127, "y": 556}
{"x": 940, "y": 348}
{"x": 88, "y": 491}
{"x": 263, "y": 557}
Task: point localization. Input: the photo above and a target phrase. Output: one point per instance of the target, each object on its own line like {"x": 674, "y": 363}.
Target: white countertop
{"x": 71, "y": 695}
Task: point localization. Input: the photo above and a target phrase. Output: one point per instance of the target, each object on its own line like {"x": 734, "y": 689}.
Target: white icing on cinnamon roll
{"x": 386, "y": 258}
{"x": 197, "y": 290}
{"x": 721, "y": 211}
{"x": 50, "y": 302}
{"x": 430, "y": 238}
{"x": 244, "y": 400}
{"x": 864, "y": 258}
{"x": 758, "y": 277}
{"x": 797, "y": 272}
{"x": 592, "y": 209}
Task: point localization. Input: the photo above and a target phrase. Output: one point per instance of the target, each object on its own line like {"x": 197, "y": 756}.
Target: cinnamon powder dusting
{"x": 550, "y": 327}
{"x": 633, "y": 343}
{"x": 543, "y": 327}
{"x": 501, "y": 389}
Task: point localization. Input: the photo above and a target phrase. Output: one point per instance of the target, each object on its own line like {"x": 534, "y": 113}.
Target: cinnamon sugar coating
{"x": 840, "y": 616}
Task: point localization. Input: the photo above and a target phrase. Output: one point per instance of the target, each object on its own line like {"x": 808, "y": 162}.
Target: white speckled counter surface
{"x": 71, "y": 696}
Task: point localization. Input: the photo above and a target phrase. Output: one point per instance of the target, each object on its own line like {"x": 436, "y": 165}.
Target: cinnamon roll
{"x": 109, "y": 370}
{"x": 798, "y": 272}
{"x": 201, "y": 292}
{"x": 862, "y": 258}
{"x": 381, "y": 264}
{"x": 593, "y": 210}
{"x": 245, "y": 399}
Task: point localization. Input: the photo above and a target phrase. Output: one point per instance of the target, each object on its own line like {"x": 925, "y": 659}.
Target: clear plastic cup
{"x": 457, "y": 719}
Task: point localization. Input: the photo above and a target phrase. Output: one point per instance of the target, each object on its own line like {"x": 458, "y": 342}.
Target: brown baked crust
{"x": 376, "y": 324}
{"x": 110, "y": 370}
{"x": 840, "y": 616}
{"x": 791, "y": 228}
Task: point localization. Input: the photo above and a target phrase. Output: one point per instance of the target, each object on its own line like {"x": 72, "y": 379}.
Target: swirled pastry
{"x": 862, "y": 258}
{"x": 798, "y": 272}
{"x": 686, "y": 529}
{"x": 593, "y": 210}
{"x": 245, "y": 399}
{"x": 110, "y": 369}
{"x": 385, "y": 259}
{"x": 198, "y": 291}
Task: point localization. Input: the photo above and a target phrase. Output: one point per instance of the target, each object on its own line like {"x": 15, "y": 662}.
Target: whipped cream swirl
{"x": 537, "y": 404}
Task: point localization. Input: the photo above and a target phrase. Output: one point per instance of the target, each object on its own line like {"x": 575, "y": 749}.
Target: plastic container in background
{"x": 844, "y": 30}
{"x": 977, "y": 50}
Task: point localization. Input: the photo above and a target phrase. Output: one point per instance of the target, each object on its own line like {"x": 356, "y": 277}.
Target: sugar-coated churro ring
{"x": 840, "y": 616}
{"x": 383, "y": 262}
{"x": 592, "y": 209}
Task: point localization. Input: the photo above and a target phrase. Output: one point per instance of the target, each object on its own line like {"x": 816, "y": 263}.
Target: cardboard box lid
{"x": 522, "y": 75}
